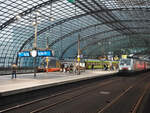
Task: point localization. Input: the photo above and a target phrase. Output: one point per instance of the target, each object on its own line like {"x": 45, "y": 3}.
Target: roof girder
{"x": 106, "y": 38}
{"x": 93, "y": 43}
{"x": 68, "y": 19}
{"x": 28, "y": 11}
{"x": 101, "y": 16}
{"x": 94, "y": 25}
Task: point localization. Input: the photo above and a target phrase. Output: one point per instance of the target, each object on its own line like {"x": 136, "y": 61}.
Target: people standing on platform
{"x": 92, "y": 66}
{"x": 65, "y": 68}
{"x": 75, "y": 68}
{"x": 71, "y": 68}
{"x": 14, "y": 69}
{"x": 112, "y": 67}
{"x": 62, "y": 67}
{"x": 105, "y": 67}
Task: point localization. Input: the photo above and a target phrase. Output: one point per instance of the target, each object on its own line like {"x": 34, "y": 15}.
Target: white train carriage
{"x": 132, "y": 65}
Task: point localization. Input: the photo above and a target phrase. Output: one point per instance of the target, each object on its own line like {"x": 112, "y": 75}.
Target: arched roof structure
{"x": 103, "y": 25}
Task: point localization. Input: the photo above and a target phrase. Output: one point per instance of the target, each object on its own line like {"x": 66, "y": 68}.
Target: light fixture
{"x": 53, "y": 53}
{"x": 38, "y": 13}
{"x": 131, "y": 55}
{"x": 51, "y": 19}
{"x": 99, "y": 43}
{"x": 33, "y": 23}
{"x": 18, "y": 17}
{"x": 51, "y": 16}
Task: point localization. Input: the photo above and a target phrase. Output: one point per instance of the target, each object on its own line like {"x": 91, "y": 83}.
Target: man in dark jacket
{"x": 92, "y": 66}
{"x": 14, "y": 69}
{"x": 105, "y": 67}
{"x": 62, "y": 67}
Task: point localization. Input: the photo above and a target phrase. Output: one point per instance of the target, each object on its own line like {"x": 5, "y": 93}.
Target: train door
{"x": 131, "y": 64}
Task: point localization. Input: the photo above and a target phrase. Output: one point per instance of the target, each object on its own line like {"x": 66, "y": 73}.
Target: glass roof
{"x": 61, "y": 22}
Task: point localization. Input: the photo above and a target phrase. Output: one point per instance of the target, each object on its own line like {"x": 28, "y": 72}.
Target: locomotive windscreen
{"x": 125, "y": 62}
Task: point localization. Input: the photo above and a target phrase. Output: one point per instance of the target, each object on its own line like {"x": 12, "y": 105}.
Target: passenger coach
{"x": 133, "y": 65}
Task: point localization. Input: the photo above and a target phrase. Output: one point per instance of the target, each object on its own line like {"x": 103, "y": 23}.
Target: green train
{"x": 99, "y": 64}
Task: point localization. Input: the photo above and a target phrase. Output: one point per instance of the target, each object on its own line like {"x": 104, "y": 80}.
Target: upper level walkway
{"x": 27, "y": 82}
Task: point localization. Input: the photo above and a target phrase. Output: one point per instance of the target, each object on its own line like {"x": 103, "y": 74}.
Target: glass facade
{"x": 103, "y": 25}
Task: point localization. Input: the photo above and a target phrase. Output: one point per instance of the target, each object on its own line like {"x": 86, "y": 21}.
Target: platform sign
{"x": 124, "y": 56}
{"x": 45, "y": 53}
{"x": 24, "y": 54}
{"x": 78, "y": 59}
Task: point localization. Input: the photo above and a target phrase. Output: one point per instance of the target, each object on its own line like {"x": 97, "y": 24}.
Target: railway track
{"x": 118, "y": 98}
{"x": 138, "y": 103}
{"x": 71, "y": 95}
{"x": 21, "y": 106}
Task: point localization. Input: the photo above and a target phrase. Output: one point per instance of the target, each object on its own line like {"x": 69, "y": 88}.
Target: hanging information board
{"x": 24, "y": 54}
{"x": 45, "y": 53}
{"x": 40, "y": 53}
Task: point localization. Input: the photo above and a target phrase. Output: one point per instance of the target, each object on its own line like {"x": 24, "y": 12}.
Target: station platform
{"x": 27, "y": 82}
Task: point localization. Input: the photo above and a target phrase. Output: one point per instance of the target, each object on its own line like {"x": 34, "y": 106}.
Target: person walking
{"x": 14, "y": 69}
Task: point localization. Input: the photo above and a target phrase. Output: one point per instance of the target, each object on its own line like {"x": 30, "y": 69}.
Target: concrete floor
{"x": 27, "y": 82}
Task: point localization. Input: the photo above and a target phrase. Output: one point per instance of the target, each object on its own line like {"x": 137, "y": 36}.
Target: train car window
{"x": 141, "y": 63}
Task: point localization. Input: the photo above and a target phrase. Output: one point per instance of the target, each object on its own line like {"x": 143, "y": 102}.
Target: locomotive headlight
{"x": 129, "y": 68}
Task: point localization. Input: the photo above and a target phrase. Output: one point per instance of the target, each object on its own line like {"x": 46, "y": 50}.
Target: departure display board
{"x": 45, "y": 53}
{"x": 24, "y": 54}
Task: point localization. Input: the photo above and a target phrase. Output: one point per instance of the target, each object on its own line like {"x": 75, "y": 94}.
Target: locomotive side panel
{"x": 133, "y": 65}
